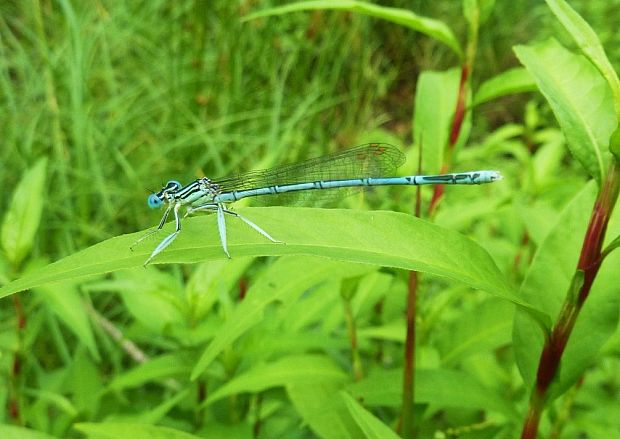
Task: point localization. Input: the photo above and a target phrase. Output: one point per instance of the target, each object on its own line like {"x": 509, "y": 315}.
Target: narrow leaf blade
{"x": 431, "y": 27}
{"x": 379, "y": 238}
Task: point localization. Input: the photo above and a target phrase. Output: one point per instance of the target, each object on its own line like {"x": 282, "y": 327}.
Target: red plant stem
{"x": 406, "y": 418}
{"x": 459, "y": 113}
{"x": 409, "y": 360}
{"x": 587, "y": 268}
{"x": 13, "y": 401}
{"x": 455, "y": 131}
{"x": 243, "y": 288}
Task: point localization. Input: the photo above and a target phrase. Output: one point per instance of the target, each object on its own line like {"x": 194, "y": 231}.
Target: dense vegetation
{"x": 477, "y": 312}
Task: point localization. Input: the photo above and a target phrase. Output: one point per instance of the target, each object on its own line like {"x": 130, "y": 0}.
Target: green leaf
{"x": 321, "y": 408}
{"x": 370, "y": 425}
{"x": 490, "y": 329}
{"x": 24, "y": 214}
{"x": 546, "y": 285}
{"x": 589, "y": 43}
{"x": 440, "y": 387}
{"x": 66, "y": 302}
{"x": 212, "y": 276}
{"x": 428, "y": 26}
{"x": 579, "y": 98}
{"x": 435, "y": 100}
{"x": 512, "y": 81}
{"x": 158, "y": 368}
{"x": 84, "y": 382}
{"x": 160, "y": 302}
{"x": 294, "y": 369}
{"x": 157, "y": 413}
{"x": 115, "y": 430}
{"x": 13, "y": 432}
{"x": 380, "y": 238}
{"x": 286, "y": 277}
{"x": 614, "y": 144}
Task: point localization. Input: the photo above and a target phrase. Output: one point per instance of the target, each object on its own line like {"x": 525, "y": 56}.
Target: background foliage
{"x": 102, "y": 101}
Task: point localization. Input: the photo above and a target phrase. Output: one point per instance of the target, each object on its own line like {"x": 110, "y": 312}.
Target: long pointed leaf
{"x": 380, "y": 238}
{"x": 425, "y": 25}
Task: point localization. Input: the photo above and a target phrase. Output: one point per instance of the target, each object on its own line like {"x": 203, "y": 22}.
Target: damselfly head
{"x": 172, "y": 186}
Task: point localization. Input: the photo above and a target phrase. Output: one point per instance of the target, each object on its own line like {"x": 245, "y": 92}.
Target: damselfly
{"x": 345, "y": 171}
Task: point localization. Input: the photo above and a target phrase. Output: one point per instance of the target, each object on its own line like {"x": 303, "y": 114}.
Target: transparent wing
{"x": 370, "y": 160}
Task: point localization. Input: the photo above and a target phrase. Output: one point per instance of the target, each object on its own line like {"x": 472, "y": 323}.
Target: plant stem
{"x": 408, "y": 402}
{"x": 587, "y": 268}
{"x": 358, "y": 373}
{"x": 13, "y": 403}
{"x": 408, "y": 430}
{"x": 455, "y": 131}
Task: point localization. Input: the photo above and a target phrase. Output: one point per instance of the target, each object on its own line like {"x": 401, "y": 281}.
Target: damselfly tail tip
{"x": 496, "y": 176}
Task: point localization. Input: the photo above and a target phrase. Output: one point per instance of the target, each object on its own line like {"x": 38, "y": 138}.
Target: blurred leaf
{"x": 440, "y": 387}
{"x": 153, "y": 297}
{"x": 294, "y": 369}
{"x": 53, "y": 400}
{"x": 67, "y": 303}
{"x": 614, "y": 144}
{"x": 381, "y": 238}
{"x": 370, "y": 425}
{"x": 484, "y": 328}
{"x": 285, "y": 277}
{"x": 309, "y": 310}
{"x": 392, "y": 331}
{"x": 14, "y": 432}
{"x": 115, "y": 430}
{"x": 579, "y": 98}
{"x": 516, "y": 80}
{"x": 547, "y": 162}
{"x": 209, "y": 278}
{"x": 435, "y": 100}
{"x": 84, "y": 381}
{"x": 158, "y": 368}
{"x": 24, "y": 213}
{"x": 538, "y": 219}
{"x": 481, "y": 8}
{"x": 589, "y": 43}
{"x": 428, "y": 26}
{"x": 546, "y": 285}
{"x": 157, "y": 413}
{"x": 320, "y": 407}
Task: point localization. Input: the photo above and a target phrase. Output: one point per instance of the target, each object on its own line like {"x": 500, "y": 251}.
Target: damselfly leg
{"x": 221, "y": 222}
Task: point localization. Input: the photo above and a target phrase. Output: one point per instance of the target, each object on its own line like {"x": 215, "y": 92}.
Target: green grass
{"x": 103, "y": 101}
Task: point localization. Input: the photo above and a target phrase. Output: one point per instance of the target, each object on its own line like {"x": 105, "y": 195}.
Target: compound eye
{"x": 173, "y": 185}
{"x": 153, "y": 201}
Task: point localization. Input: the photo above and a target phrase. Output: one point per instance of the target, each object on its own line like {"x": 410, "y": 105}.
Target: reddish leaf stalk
{"x": 587, "y": 268}
{"x": 459, "y": 113}
{"x": 455, "y": 131}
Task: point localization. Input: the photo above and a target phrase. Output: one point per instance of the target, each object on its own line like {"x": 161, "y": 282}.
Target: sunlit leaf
{"x": 580, "y": 99}
{"x": 380, "y": 238}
